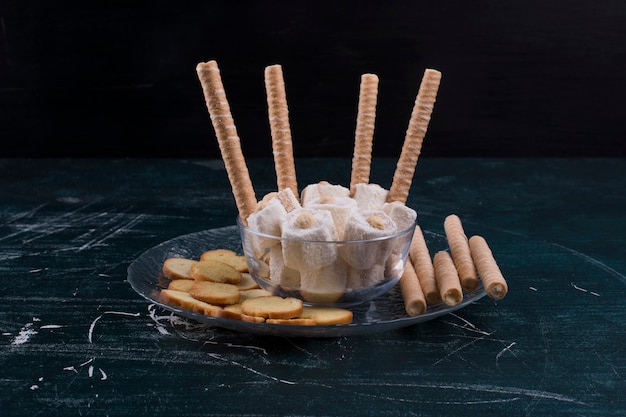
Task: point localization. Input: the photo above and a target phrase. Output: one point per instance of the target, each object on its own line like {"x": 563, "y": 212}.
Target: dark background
{"x": 117, "y": 78}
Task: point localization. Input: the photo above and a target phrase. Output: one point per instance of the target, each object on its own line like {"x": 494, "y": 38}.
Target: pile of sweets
{"x": 322, "y": 273}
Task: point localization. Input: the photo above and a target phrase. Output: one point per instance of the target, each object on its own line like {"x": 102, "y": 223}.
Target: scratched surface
{"x": 75, "y": 339}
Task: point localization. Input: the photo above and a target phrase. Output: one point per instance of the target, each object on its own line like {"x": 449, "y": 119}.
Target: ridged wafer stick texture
{"x": 282, "y": 145}
{"x": 227, "y": 138}
{"x": 364, "y": 135}
{"x": 423, "y": 264}
{"x": 447, "y": 279}
{"x": 412, "y": 146}
{"x": 493, "y": 281}
{"x": 460, "y": 251}
{"x": 412, "y": 294}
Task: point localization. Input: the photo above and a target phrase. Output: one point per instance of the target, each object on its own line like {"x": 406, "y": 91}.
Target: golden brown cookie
{"x": 293, "y": 322}
{"x": 178, "y": 268}
{"x": 272, "y": 307}
{"x": 180, "y": 285}
{"x": 247, "y": 282}
{"x": 324, "y": 315}
{"x": 253, "y": 293}
{"x": 215, "y": 292}
{"x": 215, "y": 271}
{"x": 233, "y": 312}
{"x": 228, "y": 257}
{"x": 185, "y": 301}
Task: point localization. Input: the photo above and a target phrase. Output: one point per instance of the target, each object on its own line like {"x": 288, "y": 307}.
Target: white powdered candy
{"x": 364, "y": 226}
{"x": 305, "y": 232}
{"x": 370, "y": 197}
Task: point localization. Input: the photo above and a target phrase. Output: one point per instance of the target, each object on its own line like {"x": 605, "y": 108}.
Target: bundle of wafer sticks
{"x": 230, "y": 144}
{"x": 429, "y": 281}
{"x": 243, "y": 191}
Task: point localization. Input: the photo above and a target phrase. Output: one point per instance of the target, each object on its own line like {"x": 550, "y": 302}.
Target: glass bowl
{"x": 333, "y": 273}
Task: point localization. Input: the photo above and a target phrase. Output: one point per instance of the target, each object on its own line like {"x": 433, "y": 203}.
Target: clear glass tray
{"x": 381, "y": 314}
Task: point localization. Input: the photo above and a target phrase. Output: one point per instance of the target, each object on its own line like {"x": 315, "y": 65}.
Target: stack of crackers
{"x": 218, "y": 284}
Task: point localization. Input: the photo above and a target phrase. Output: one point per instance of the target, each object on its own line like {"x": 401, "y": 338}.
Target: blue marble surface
{"x": 75, "y": 339}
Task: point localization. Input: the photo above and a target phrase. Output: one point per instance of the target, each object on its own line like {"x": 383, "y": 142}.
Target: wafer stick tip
{"x": 369, "y": 77}
{"x": 206, "y": 66}
{"x": 273, "y": 67}
{"x": 451, "y": 217}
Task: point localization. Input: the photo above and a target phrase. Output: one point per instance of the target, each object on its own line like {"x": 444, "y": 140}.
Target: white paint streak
{"x": 87, "y": 362}
{"x": 189, "y": 325}
{"x": 93, "y": 323}
{"x": 478, "y": 388}
{"x": 460, "y": 348}
{"x": 26, "y": 332}
{"x": 509, "y": 390}
{"x": 103, "y": 375}
{"x": 506, "y": 349}
{"x": 112, "y": 232}
{"x": 463, "y": 320}
{"x": 595, "y": 262}
{"x": 162, "y": 329}
{"x": 254, "y": 371}
{"x": 581, "y": 289}
{"x": 232, "y": 345}
{"x": 468, "y": 326}
{"x": 173, "y": 320}
{"x": 609, "y": 364}
{"x": 68, "y": 200}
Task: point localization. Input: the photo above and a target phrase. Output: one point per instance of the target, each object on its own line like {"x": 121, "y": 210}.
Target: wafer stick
{"x": 279, "y": 126}
{"x": 366, "y": 116}
{"x": 447, "y": 279}
{"x": 420, "y": 257}
{"x": 412, "y": 294}
{"x": 493, "y": 281}
{"x": 227, "y": 138}
{"x": 460, "y": 250}
{"x": 412, "y": 146}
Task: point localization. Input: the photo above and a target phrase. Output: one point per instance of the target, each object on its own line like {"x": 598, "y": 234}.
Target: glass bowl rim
{"x": 404, "y": 232}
